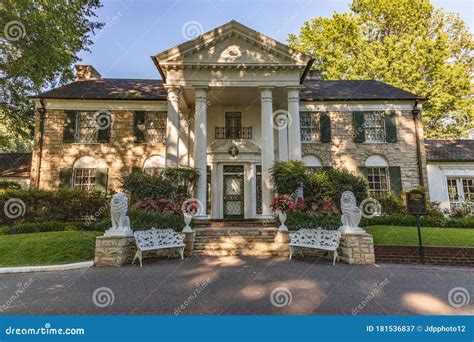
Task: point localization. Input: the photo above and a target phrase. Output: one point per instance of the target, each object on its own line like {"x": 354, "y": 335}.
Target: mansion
{"x": 229, "y": 103}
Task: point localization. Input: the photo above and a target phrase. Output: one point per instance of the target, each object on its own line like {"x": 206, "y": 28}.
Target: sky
{"x": 138, "y": 29}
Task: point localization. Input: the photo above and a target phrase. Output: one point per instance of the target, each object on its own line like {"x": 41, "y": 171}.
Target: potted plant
{"x": 282, "y": 204}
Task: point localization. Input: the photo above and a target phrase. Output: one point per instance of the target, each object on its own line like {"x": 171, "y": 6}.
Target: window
{"x": 155, "y": 127}
{"x": 460, "y": 190}
{"x": 312, "y": 163}
{"x": 86, "y": 128}
{"x": 310, "y": 127}
{"x": 374, "y": 127}
{"x": 378, "y": 180}
{"x": 154, "y": 165}
{"x": 84, "y": 179}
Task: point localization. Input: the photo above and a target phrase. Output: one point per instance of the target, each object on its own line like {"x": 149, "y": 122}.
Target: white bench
{"x": 154, "y": 239}
{"x": 327, "y": 240}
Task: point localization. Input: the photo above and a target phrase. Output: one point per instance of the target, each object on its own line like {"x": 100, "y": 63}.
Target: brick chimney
{"x": 86, "y": 72}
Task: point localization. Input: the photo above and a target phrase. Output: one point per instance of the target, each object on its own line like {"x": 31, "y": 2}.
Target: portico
{"x": 233, "y": 100}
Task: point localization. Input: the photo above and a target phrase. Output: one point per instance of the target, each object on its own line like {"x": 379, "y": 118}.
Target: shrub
{"x": 462, "y": 210}
{"x": 426, "y": 221}
{"x": 61, "y": 205}
{"x": 331, "y": 183}
{"x": 311, "y": 220}
{"x": 391, "y": 204}
{"x": 142, "y": 220}
{"x": 9, "y": 185}
{"x": 51, "y": 226}
{"x": 288, "y": 176}
{"x": 175, "y": 184}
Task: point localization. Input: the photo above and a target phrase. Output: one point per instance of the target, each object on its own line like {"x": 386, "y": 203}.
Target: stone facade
{"x": 119, "y": 155}
{"x": 114, "y": 251}
{"x": 356, "y": 249}
{"x": 343, "y": 153}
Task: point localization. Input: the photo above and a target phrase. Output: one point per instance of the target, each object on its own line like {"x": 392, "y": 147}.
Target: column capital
{"x": 266, "y": 94}
{"x": 200, "y": 94}
{"x": 173, "y": 92}
{"x": 293, "y": 93}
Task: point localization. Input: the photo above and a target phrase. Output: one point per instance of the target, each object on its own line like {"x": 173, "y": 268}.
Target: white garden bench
{"x": 327, "y": 240}
{"x": 154, "y": 239}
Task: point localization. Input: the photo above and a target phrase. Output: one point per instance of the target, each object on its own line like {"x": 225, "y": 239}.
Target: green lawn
{"x": 49, "y": 248}
{"x": 395, "y": 235}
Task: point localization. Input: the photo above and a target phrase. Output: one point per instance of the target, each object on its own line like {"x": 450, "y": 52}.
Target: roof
{"x": 15, "y": 164}
{"x": 449, "y": 150}
{"x": 313, "y": 90}
{"x": 109, "y": 89}
{"x": 317, "y": 90}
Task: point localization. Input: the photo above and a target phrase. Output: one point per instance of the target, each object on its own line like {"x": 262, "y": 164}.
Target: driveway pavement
{"x": 241, "y": 286}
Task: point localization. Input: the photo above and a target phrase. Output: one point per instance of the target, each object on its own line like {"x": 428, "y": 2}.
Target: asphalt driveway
{"x": 241, "y": 286}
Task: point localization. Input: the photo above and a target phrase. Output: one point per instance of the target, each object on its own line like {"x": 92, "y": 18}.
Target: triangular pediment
{"x": 232, "y": 44}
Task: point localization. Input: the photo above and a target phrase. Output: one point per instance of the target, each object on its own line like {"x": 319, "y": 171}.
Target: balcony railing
{"x": 233, "y": 132}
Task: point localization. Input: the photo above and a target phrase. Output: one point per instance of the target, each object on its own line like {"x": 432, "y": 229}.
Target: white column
{"x": 172, "y": 127}
{"x": 294, "y": 132}
{"x": 283, "y": 143}
{"x": 268, "y": 150}
{"x": 200, "y": 144}
{"x": 216, "y": 184}
{"x": 253, "y": 189}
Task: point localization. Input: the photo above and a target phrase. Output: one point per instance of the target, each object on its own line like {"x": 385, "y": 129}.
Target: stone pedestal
{"x": 189, "y": 241}
{"x": 114, "y": 250}
{"x": 282, "y": 239}
{"x": 357, "y": 249}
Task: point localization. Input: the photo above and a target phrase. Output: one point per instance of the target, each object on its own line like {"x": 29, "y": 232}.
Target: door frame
{"x": 240, "y": 176}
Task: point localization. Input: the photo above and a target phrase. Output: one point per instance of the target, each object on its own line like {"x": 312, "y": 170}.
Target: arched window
{"x": 154, "y": 164}
{"x": 377, "y": 174}
{"x": 312, "y": 162}
{"x": 84, "y": 173}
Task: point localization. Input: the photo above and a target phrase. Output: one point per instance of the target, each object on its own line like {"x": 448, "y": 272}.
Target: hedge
{"x": 142, "y": 220}
{"x": 52, "y": 226}
{"x": 299, "y": 220}
{"x": 426, "y": 221}
{"x": 44, "y": 206}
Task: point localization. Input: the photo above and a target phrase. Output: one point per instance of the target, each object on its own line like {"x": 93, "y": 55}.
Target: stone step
{"x": 232, "y": 231}
{"x": 257, "y": 246}
{"x": 237, "y": 252}
{"x": 233, "y": 239}
{"x": 226, "y": 241}
{"x": 230, "y": 223}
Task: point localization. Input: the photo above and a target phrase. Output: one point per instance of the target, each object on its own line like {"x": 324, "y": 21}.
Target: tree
{"x": 39, "y": 44}
{"x": 405, "y": 43}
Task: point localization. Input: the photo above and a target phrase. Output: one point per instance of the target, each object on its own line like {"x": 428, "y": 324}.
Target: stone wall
{"x": 356, "y": 249}
{"x": 119, "y": 155}
{"x": 454, "y": 256}
{"x": 342, "y": 152}
{"x": 114, "y": 251}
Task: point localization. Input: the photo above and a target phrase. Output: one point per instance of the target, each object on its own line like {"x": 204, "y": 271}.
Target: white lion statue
{"x": 351, "y": 214}
{"x": 118, "y": 213}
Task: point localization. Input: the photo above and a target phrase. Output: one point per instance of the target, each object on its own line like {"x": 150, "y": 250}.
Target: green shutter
{"x": 101, "y": 180}
{"x": 104, "y": 133}
{"x": 362, "y": 172}
{"x": 391, "y": 126}
{"x": 325, "y": 123}
{"x": 69, "y": 131}
{"x": 65, "y": 178}
{"x": 359, "y": 132}
{"x": 139, "y": 120}
{"x": 395, "y": 179}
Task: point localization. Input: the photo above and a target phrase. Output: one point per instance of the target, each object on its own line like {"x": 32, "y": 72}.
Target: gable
{"x": 230, "y": 46}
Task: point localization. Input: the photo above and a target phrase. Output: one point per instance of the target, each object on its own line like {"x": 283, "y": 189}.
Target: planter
{"x": 282, "y": 218}
{"x": 187, "y": 220}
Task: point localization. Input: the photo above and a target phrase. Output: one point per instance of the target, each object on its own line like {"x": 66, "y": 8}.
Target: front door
{"x": 233, "y": 191}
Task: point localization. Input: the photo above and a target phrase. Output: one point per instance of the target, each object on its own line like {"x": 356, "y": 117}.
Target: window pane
{"x": 374, "y": 126}
{"x": 155, "y": 127}
{"x": 87, "y": 128}
{"x": 309, "y": 125}
{"x": 468, "y": 188}
{"x": 377, "y": 177}
{"x": 453, "y": 190}
{"x": 84, "y": 179}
